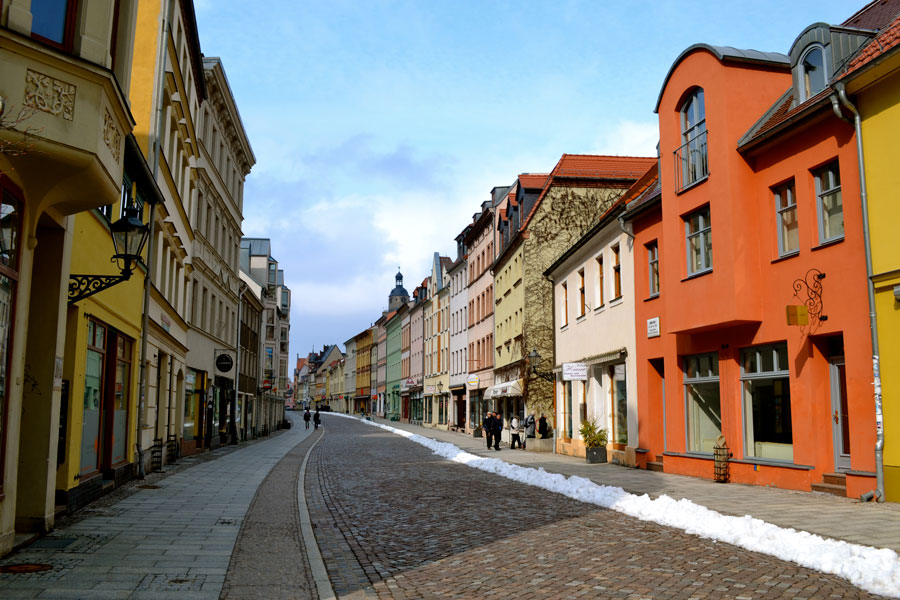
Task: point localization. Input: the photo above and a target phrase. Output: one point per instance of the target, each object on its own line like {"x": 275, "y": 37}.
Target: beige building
{"x": 224, "y": 161}
{"x": 594, "y": 304}
{"x": 64, "y": 110}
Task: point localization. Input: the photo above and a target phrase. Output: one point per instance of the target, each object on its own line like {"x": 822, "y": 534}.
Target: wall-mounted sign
{"x": 224, "y": 363}
{"x": 429, "y": 389}
{"x": 574, "y": 372}
{"x": 472, "y": 380}
{"x": 797, "y": 315}
{"x": 653, "y": 327}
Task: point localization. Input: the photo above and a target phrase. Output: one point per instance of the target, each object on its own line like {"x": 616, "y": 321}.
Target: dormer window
{"x": 812, "y": 73}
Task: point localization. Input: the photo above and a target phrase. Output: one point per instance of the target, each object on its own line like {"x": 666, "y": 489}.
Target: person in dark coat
{"x": 316, "y": 418}
{"x": 307, "y": 417}
{"x": 497, "y": 428}
{"x": 529, "y": 429}
{"x": 543, "y": 428}
{"x": 487, "y": 426}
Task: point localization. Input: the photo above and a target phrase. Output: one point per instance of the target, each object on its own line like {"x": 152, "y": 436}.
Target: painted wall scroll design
{"x": 49, "y": 95}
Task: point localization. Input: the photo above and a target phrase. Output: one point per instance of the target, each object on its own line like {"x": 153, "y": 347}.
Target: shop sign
{"x": 574, "y": 372}
{"x": 653, "y": 327}
{"x": 429, "y": 389}
{"x": 165, "y": 322}
{"x": 472, "y": 380}
{"x": 797, "y": 315}
{"x": 224, "y": 363}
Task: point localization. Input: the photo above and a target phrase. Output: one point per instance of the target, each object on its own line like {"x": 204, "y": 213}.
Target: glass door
{"x": 93, "y": 400}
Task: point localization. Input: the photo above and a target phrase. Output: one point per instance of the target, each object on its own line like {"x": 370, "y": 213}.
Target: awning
{"x": 509, "y": 388}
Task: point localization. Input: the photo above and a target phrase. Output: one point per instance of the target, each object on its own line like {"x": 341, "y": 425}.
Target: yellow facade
{"x": 117, "y": 308}
{"x": 878, "y": 100}
{"x": 509, "y": 298}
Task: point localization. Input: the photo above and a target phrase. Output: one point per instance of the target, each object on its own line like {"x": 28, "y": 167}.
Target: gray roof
{"x": 724, "y": 53}
{"x": 257, "y": 246}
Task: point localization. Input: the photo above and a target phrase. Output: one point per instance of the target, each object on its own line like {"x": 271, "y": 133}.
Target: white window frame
{"x": 778, "y": 353}
{"x": 653, "y": 261}
{"x": 832, "y": 172}
{"x": 780, "y": 192}
{"x": 801, "y": 71}
{"x": 704, "y": 234}
{"x": 710, "y": 377}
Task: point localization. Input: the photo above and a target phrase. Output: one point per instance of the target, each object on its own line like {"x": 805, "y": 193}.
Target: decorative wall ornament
{"x": 809, "y": 291}
{"x": 49, "y": 95}
{"x": 111, "y": 134}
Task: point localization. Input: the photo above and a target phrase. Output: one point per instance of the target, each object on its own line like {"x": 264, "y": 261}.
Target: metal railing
{"x": 691, "y": 162}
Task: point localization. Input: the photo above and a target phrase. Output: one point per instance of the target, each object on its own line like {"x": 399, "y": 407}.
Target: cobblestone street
{"x": 390, "y": 520}
{"x": 418, "y": 527}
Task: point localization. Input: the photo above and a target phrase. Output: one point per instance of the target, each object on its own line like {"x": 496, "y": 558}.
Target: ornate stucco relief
{"x": 111, "y": 134}
{"x": 49, "y": 95}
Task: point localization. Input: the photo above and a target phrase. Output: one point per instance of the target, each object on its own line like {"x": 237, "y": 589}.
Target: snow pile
{"x": 875, "y": 570}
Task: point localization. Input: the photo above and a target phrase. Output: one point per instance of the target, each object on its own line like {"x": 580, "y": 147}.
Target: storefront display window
{"x": 702, "y": 403}
{"x": 765, "y": 379}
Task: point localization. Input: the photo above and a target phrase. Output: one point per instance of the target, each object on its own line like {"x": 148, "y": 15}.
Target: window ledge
{"x": 616, "y": 301}
{"x": 786, "y": 256}
{"x": 827, "y": 244}
{"x": 698, "y": 455}
{"x": 771, "y": 463}
{"x": 564, "y": 327}
{"x": 697, "y": 274}
{"x": 581, "y": 318}
{"x": 692, "y": 185}
{"x": 600, "y": 308}
{"x": 653, "y": 297}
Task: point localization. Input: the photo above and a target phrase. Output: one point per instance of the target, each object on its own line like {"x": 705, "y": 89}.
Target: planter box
{"x": 539, "y": 445}
{"x": 595, "y": 455}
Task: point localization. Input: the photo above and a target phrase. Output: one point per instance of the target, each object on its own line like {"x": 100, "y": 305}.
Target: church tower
{"x": 398, "y": 295}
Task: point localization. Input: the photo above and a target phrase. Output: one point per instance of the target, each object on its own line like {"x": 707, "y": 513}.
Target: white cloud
{"x": 629, "y": 138}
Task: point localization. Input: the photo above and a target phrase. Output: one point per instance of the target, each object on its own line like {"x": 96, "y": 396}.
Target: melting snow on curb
{"x": 876, "y": 570}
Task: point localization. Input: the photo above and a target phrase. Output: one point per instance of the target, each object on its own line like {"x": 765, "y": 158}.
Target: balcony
{"x": 691, "y": 162}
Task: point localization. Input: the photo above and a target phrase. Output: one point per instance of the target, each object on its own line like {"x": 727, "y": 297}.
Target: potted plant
{"x": 595, "y": 439}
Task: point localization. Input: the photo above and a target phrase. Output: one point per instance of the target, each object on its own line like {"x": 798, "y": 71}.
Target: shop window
{"x": 702, "y": 403}
{"x": 619, "y": 401}
{"x": 829, "y": 206}
{"x": 786, "y": 210}
{"x": 765, "y": 380}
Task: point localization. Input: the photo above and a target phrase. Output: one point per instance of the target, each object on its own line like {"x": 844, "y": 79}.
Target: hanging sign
{"x": 574, "y": 372}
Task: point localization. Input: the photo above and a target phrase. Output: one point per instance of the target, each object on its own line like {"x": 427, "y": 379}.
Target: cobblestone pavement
{"x": 395, "y": 521}
{"x": 174, "y": 540}
{"x": 869, "y": 524}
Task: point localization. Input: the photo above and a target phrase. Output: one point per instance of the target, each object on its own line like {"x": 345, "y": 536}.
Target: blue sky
{"x": 380, "y": 127}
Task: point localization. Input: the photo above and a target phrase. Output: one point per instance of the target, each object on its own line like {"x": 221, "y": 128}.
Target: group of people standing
{"x": 492, "y": 426}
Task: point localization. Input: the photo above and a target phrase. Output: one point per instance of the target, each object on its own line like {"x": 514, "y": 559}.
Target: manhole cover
{"x": 148, "y": 487}
{"x": 26, "y": 568}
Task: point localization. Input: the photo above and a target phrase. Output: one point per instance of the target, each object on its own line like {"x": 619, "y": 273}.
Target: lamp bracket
{"x": 82, "y": 286}
{"x": 545, "y": 375}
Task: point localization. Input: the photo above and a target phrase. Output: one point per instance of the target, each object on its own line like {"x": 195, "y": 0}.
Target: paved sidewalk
{"x": 870, "y": 524}
{"x": 171, "y": 542}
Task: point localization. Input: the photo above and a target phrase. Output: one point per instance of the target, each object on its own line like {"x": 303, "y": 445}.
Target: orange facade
{"x": 737, "y": 231}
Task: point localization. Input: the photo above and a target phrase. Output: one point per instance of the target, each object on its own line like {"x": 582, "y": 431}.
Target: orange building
{"x": 759, "y": 225}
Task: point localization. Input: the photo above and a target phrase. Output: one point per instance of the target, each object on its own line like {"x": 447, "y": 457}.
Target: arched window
{"x": 812, "y": 73}
{"x": 691, "y": 163}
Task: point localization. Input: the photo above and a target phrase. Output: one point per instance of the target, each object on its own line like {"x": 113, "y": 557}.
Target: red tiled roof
{"x": 875, "y": 15}
{"x": 601, "y": 167}
{"x": 785, "y": 112}
{"x": 533, "y": 181}
{"x": 589, "y": 166}
{"x": 885, "y": 40}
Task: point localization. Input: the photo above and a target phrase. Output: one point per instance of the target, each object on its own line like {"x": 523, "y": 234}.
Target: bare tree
{"x": 16, "y": 138}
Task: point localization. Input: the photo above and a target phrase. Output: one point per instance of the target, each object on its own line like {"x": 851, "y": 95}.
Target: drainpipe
{"x": 878, "y": 492}
{"x": 242, "y": 287}
{"x": 621, "y": 220}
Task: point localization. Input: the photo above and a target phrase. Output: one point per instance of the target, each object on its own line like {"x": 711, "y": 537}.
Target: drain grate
{"x": 25, "y": 568}
{"x": 224, "y": 521}
{"x": 148, "y": 486}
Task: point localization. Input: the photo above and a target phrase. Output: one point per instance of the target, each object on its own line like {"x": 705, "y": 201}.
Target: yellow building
{"x": 166, "y": 96}
{"x": 362, "y": 395}
{"x": 873, "y": 84}
{"x": 437, "y": 345}
{"x": 64, "y": 120}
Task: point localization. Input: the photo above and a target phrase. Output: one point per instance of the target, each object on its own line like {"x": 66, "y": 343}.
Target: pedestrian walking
{"x": 497, "y": 429}
{"x": 307, "y": 417}
{"x": 316, "y": 418}
{"x": 487, "y": 426}
{"x": 514, "y": 431}
{"x": 543, "y": 428}
{"x": 529, "y": 428}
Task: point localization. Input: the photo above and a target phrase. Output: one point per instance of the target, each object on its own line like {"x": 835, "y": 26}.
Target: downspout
{"x": 621, "y": 220}
{"x": 151, "y": 246}
{"x": 169, "y": 407}
{"x": 878, "y": 492}
{"x": 237, "y": 350}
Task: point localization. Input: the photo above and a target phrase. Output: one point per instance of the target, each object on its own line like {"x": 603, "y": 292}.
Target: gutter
{"x": 878, "y": 492}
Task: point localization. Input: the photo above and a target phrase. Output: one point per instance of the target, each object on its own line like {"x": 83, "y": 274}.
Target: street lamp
{"x": 129, "y": 234}
{"x": 440, "y": 387}
{"x": 535, "y": 360}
